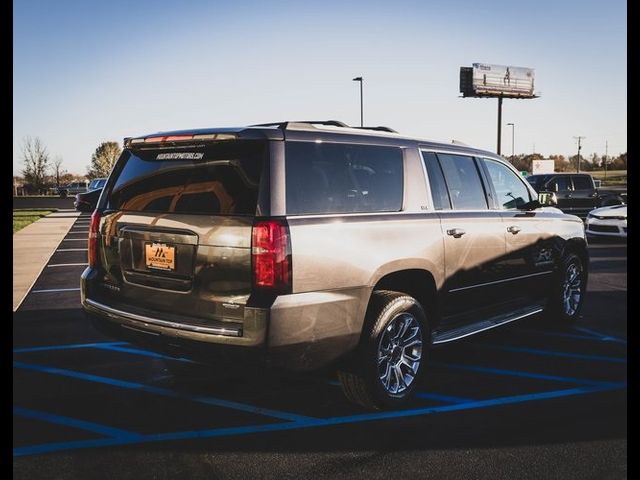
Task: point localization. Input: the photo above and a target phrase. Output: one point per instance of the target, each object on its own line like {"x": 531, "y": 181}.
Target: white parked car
{"x": 608, "y": 221}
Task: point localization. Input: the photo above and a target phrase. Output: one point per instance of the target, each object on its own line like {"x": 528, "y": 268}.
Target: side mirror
{"x": 547, "y": 199}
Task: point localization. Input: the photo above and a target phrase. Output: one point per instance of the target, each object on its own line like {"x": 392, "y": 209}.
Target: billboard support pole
{"x": 499, "y": 124}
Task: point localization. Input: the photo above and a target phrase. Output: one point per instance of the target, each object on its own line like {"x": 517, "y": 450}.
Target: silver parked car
{"x": 308, "y": 244}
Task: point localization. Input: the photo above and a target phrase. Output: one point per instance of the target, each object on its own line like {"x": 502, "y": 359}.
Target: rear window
{"x": 342, "y": 178}
{"x": 220, "y": 179}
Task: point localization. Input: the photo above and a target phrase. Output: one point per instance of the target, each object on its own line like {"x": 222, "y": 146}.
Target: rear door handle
{"x": 456, "y": 232}
{"x": 513, "y": 229}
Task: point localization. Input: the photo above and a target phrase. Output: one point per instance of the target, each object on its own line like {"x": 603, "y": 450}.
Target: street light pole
{"x": 513, "y": 129}
{"x": 359, "y": 79}
{"x": 579, "y": 147}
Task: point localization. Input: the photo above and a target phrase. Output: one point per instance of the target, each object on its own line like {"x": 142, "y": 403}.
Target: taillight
{"x": 271, "y": 256}
{"x": 94, "y": 235}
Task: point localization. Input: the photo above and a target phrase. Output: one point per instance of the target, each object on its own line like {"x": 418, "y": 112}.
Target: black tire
{"x": 63, "y": 194}
{"x": 560, "y": 308}
{"x": 360, "y": 379}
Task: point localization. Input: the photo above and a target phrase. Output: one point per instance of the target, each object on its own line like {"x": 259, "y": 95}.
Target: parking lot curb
{"x": 33, "y": 246}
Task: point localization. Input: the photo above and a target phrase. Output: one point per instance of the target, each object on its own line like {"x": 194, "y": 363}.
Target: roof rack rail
{"x": 330, "y": 123}
{"x": 284, "y": 125}
{"x": 379, "y": 128}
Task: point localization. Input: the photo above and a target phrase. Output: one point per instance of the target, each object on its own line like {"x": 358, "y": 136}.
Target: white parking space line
{"x": 72, "y": 250}
{"x": 50, "y": 290}
{"x": 74, "y": 240}
{"x": 67, "y": 265}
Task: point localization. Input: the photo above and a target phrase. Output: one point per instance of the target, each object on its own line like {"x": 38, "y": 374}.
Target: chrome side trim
{"x": 230, "y": 332}
{"x": 500, "y": 281}
{"x": 486, "y": 326}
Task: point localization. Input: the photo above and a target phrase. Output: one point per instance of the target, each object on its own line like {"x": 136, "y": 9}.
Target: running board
{"x": 449, "y": 335}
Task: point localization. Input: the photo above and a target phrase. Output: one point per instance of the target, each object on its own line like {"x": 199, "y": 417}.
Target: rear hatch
{"x": 176, "y": 230}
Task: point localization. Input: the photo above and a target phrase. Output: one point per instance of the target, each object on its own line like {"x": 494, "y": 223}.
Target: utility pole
{"x": 513, "y": 129}
{"x": 606, "y": 155}
{"x": 579, "y": 138}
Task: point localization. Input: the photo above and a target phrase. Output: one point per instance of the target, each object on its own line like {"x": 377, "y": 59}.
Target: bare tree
{"x": 58, "y": 171}
{"x": 36, "y": 162}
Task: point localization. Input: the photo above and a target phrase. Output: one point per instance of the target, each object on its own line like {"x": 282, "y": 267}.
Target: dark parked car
{"x": 577, "y": 193}
{"x": 72, "y": 189}
{"x": 87, "y": 201}
{"x": 313, "y": 244}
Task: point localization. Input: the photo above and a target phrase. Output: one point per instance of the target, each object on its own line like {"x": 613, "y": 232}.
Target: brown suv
{"x": 307, "y": 244}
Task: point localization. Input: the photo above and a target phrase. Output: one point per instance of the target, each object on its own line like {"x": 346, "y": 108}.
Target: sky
{"x": 85, "y": 72}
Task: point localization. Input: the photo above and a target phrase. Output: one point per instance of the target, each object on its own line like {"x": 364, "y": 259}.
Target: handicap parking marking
{"x": 217, "y": 402}
{"x": 311, "y": 422}
{"x": 293, "y": 420}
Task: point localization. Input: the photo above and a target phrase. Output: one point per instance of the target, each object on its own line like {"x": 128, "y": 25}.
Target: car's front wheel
{"x": 391, "y": 354}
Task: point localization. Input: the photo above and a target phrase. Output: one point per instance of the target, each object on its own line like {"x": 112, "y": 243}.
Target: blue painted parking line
{"x": 551, "y": 353}
{"x": 67, "y": 347}
{"x": 311, "y": 422}
{"x": 216, "y": 402}
{"x": 136, "y": 351}
{"x": 442, "y": 398}
{"x": 523, "y": 374}
{"x": 602, "y": 336}
{"x": 75, "y": 423}
{"x": 566, "y": 335}
{"x": 423, "y": 395}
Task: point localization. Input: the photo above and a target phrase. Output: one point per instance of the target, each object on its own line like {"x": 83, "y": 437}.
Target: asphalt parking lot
{"x": 523, "y": 401}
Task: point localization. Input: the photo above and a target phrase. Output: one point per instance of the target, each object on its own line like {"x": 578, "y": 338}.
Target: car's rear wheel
{"x": 569, "y": 291}
{"x": 391, "y": 355}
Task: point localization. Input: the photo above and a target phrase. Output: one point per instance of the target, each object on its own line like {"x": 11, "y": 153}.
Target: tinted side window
{"x": 511, "y": 192}
{"x": 463, "y": 182}
{"x": 580, "y": 182}
{"x": 436, "y": 182}
{"x": 558, "y": 184}
{"x": 342, "y": 178}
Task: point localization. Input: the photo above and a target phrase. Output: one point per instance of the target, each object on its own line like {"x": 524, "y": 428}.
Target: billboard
{"x": 486, "y": 80}
{"x": 542, "y": 166}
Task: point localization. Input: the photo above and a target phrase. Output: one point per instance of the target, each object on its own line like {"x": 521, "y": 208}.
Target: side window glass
{"x": 511, "y": 192}
{"x": 463, "y": 182}
{"x": 342, "y": 178}
{"x": 580, "y": 182}
{"x": 560, "y": 183}
{"x": 436, "y": 181}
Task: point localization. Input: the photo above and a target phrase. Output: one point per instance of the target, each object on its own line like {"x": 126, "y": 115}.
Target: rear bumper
{"x": 298, "y": 332}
